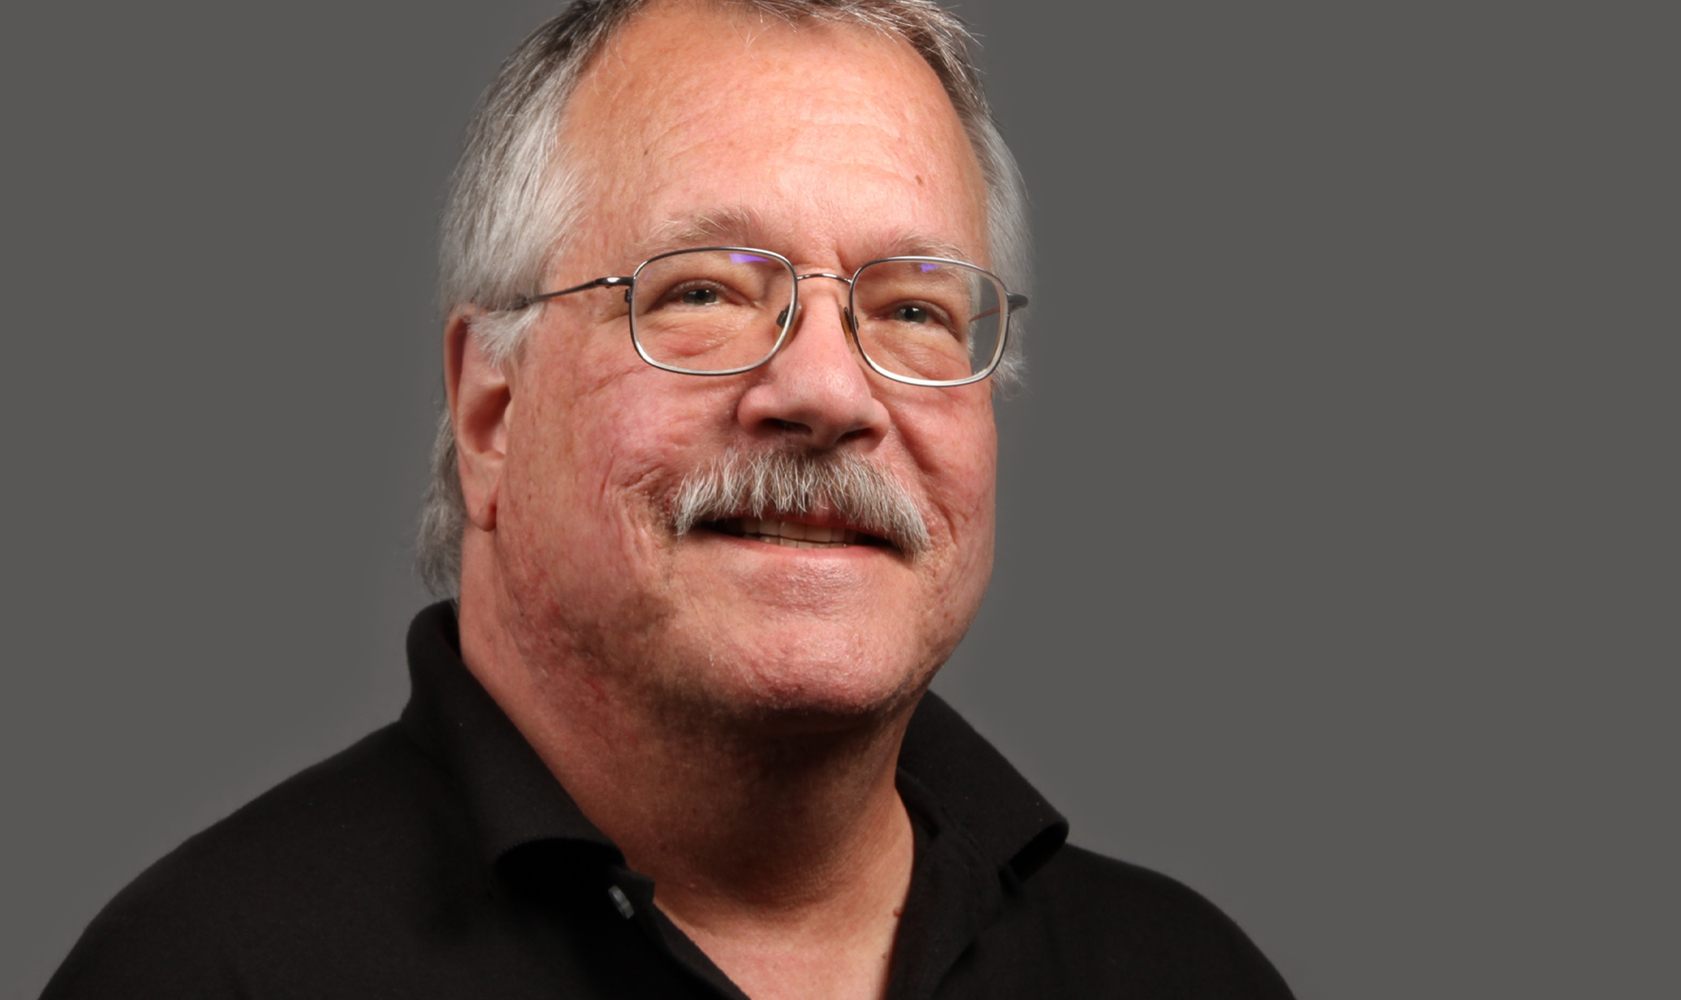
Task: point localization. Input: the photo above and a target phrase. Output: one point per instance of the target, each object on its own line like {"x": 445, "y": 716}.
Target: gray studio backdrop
{"x": 1337, "y": 554}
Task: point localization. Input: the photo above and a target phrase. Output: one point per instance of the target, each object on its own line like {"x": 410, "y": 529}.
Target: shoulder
{"x": 1124, "y": 897}
{"x": 1121, "y": 930}
{"x": 329, "y": 842}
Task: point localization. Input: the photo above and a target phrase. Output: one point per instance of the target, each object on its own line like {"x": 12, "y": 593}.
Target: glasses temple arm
{"x": 1015, "y": 302}
{"x": 531, "y": 300}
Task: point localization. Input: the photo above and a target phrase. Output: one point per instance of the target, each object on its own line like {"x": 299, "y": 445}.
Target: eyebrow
{"x": 726, "y": 226}
{"x": 744, "y": 227}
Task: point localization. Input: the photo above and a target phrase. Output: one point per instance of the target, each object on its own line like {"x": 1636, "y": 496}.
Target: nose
{"x": 815, "y": 390}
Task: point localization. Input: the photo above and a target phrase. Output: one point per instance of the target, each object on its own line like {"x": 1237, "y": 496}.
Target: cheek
{"x": 954, "y": 443}
{"x": 595, "y": 448}
{"x": 580, "y": 533}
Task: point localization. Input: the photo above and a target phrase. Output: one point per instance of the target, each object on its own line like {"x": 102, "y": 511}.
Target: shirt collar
{"x": 514, "y": 800}
{"x": 979, "y": 792}
{"x": 511, "y": 796}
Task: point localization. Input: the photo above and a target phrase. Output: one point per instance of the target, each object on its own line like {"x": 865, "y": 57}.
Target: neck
{"x": 782, "y": 849}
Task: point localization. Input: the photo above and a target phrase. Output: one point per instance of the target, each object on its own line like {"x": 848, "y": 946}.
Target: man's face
{"x": 832, "y": 146}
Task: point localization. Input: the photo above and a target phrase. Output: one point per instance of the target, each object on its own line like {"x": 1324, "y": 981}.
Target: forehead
{"x": 817, "y": 132}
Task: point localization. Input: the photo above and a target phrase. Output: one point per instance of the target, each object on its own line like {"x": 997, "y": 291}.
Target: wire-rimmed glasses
{"x": 726, "y": 310}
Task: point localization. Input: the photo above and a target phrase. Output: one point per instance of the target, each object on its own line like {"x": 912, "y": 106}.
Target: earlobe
{"x": 480, "y": 401}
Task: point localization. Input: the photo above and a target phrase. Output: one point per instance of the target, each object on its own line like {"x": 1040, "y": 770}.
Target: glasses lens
{"x": 710, "y": 310}
{"x": 929, "y": 319}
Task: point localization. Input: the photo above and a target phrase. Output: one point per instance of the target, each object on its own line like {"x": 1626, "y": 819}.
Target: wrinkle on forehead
{"x": 745, "y": 226}
{"x": 831, "y": 144}
{"x": 652, "y": 82}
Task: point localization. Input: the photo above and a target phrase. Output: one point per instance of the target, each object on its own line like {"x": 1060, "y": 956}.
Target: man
{"x": 728, "y": 288}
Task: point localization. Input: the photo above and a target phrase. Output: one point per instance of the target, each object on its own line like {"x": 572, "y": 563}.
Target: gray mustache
{"x": 794, "y": 482}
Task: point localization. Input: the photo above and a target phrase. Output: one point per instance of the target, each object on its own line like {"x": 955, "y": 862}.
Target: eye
{"x": 910, "y": 314}
{"x": 699, "y": 296}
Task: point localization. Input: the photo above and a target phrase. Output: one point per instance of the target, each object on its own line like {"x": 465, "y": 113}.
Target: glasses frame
{"x": 1011, "y": 302}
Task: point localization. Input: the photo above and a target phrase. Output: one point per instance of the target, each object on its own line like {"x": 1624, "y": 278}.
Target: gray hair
{"x": 513, "y": 200}
{"x": 797, "y": 482}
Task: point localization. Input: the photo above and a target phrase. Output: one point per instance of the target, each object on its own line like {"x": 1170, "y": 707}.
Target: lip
{"x": 808, "y": 532}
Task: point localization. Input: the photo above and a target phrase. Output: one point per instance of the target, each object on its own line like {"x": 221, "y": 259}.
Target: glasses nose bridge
{"x": 845, "y": 304}
{"x": 824, "y": 274}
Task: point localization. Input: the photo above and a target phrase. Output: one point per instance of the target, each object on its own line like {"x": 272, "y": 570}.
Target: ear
{"x": 480, "y": 401}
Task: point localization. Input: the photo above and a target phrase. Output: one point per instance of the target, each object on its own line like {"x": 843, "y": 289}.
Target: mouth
{"x": 794, "y": 534}
{"x": 832, "y": 500}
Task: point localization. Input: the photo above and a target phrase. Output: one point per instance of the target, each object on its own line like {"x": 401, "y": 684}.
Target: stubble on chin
{"x": 632, "y": 629}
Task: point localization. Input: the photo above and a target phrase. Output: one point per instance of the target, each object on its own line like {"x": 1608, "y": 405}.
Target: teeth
{"x": 797, "y": 534}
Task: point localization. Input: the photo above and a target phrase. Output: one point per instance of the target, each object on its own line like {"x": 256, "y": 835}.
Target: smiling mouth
{"x": 793, "y": 534}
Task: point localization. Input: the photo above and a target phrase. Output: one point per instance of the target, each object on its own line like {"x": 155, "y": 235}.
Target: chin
{"x": 809, "y": 684}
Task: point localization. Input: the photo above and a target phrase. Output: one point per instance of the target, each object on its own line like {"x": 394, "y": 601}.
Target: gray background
{"x": 1337, "y": 568}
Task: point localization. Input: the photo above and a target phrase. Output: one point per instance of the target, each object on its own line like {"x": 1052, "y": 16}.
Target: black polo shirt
{"x": 439, "y": 858}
